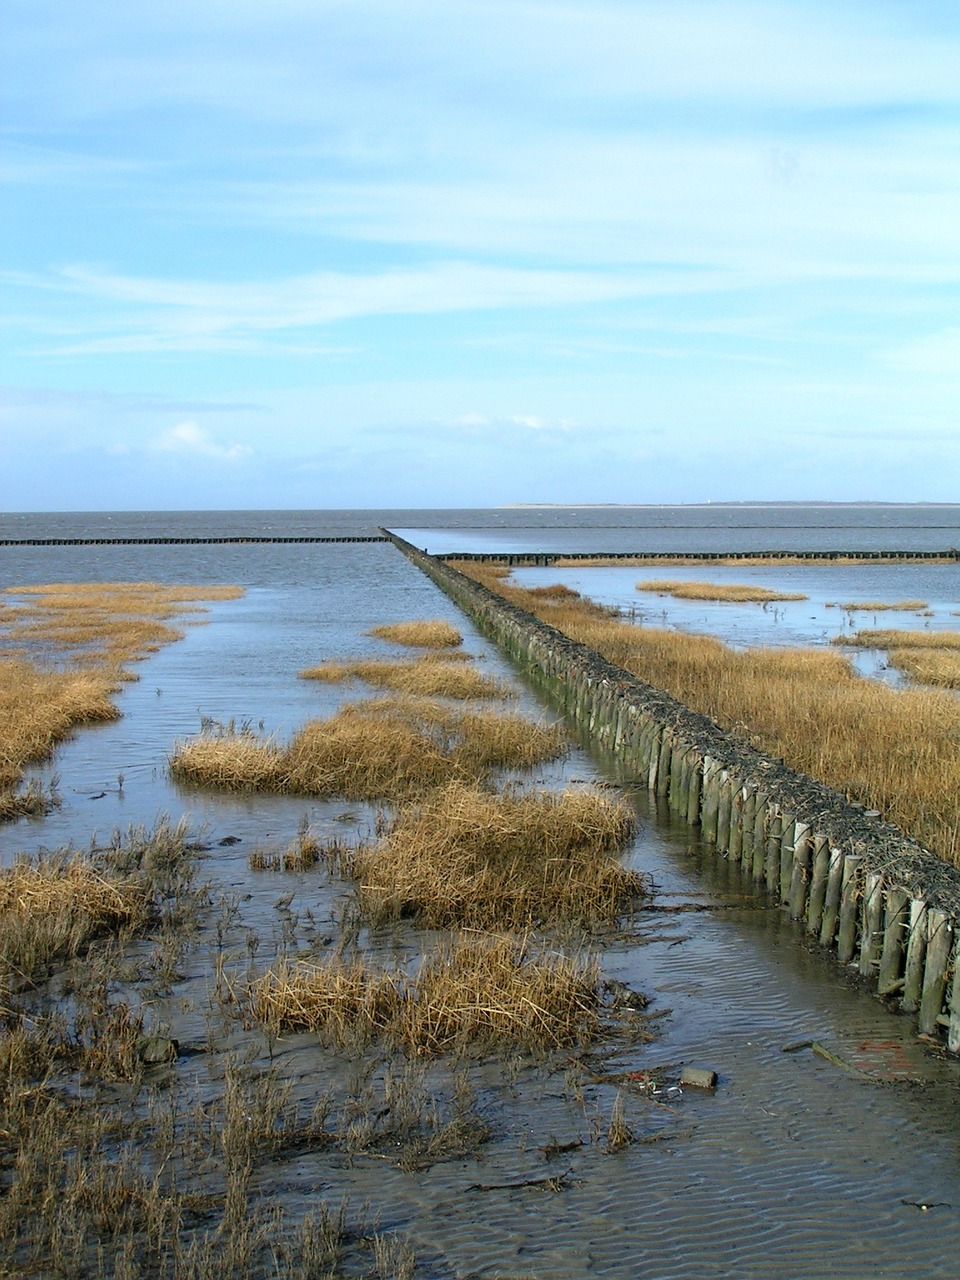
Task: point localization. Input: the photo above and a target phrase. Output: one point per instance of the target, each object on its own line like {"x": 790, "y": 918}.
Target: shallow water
{"x": 792, "y": 1168}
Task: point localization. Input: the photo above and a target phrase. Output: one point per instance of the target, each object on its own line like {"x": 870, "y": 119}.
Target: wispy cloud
{"x": 189, "y": 438}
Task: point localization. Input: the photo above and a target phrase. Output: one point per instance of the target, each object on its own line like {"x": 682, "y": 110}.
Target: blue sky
{"x": 473, "y": 252}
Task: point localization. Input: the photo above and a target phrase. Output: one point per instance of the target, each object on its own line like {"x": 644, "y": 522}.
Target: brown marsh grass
{"x": 894, "y": 639}
{"x": 877, "y": 606}
{"x": 430, "y": 676}
{"x": 39, "y": 708}
{"x": 734, "y": 592}
{"x": 54, "y": 903}
{"x": 892, "y": 749}
{"x": 474, "y": 991}
{"x": 77, "y": 636}
{"x": 940, "y": 667}
{"x": 425, "y": 634}
{"x": 377, "y": 749}
{"x": 463, "y": 857}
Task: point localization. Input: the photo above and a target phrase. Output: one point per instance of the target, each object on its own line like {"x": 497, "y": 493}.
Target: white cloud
{"x": 190, "y": 438}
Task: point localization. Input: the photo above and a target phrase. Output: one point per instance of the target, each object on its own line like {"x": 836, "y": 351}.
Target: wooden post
{"x": 663, "y": 762}
{"x": 800, "y": 880}
{"x": 774, "y": 841}
{"x": 748, "y": 811}
{"x": 916, "y": 951}
{"x": 710, "y": 801}
{"x": 694, "y": 786}
{"x": 939, "y": 948}
{"x": 896, "y": 922}
{"x": 724, "y": 811}
{"x": 849, "y": 908}
{"x": 677, "y": 794}
{"x": 737, "y": 797}
{"x": 820, "y": 864}
{"x": 871, "y": 937}
{"x": 953, "y": 1028}
{"x": 760, "y": 837}
{"x": 831, "y": 901}
{"x": 787, "y": 837}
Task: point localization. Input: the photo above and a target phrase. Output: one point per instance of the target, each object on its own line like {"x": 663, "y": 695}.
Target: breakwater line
{"x": 858, "y": 886}
{"x": 173, "y": 542}
{"x": 544, "y": 559}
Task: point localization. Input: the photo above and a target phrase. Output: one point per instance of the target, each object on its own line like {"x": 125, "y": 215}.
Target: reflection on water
{"x": 792, "y": 1168}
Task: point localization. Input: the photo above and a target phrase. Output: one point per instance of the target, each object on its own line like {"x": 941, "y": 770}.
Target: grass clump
{"x": 64, "y": 656}
{"x": 486, "y": 992}
{"x": 39, "y": 708}
{"x": 425, "y": 634}
{"x": 733, "y": 592}
{"x": 230, "y": 759}
{"x": 464, "y": 857}
{"x": 877, "y": 606}
{"x": 430, "y": 676}
{"x": 52, "y": 905}
{"x": 381, "y": 749}
{"x": 895, "y": 639}
{"x": 939, "y": 667}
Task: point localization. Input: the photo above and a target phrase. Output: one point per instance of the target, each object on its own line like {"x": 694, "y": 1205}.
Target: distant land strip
{"x": 168, "y": 542}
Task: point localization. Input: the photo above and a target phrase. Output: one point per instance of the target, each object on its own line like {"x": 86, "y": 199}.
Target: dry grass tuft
{"x": 475, "y": 991}
{"x": 733, "y": 592}
{"x": 230, "y": 760}
{"x": 380, "y": 749}
{"x": 892, "y": 749}
{"x": 85, "y": 633}
{"x": 39, "y": 708}
{"x": 894, "y": 639}
{"x": 52, "y": 906}
{"x": 877, "y": 606}
{"x": 467, "y": 858}
{"x": 432, "y": 634}
{"x": 430, "y": 676}
{"x": 939, "y": 667}
{"x": 555, "y": 591}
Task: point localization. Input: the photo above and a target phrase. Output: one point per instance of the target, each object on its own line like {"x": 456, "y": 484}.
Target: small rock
{"x": 152, "y": 1050}
{"x": 698, "y": 1078}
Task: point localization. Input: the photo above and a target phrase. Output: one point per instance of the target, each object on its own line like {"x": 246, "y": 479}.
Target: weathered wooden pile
{"x": 856, "y": 884}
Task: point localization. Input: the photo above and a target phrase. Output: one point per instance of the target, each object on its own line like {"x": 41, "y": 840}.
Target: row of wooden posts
{"x": 851, "y": 882}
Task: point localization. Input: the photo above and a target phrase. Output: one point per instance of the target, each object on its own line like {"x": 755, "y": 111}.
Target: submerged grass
{"x": 463, "y": 857}
{"x": 892, "y": 749}
{"x": 380, "y": 749}
{"x": 421, "y": 634}
{"x": 430, "y": 676}
{"x": 720, "y": 591}
{"x": 474, "y": 991}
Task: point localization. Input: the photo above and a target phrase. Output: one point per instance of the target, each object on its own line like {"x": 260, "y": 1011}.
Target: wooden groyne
{"x": 171, "y": 542}
{"x": 885, "y": 906}
{"x": 531, "y": 559}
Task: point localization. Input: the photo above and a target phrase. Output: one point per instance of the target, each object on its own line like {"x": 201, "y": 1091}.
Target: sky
{"x": 442, "y": 253}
